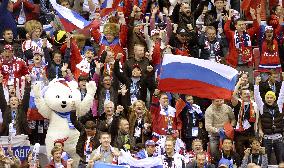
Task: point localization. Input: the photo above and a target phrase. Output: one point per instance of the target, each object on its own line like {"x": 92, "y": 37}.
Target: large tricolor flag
{"x": 150, "y": 162}
{"x": 70, "y": 19}
{"x": 197, "y": 77}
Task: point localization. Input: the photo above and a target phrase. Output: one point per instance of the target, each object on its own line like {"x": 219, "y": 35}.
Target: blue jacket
{"x": 6, "y": 19}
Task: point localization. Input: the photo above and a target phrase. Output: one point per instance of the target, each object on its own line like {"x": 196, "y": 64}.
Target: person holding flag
{"x": 216, "y": 116}
{"x": 190, "y": 116}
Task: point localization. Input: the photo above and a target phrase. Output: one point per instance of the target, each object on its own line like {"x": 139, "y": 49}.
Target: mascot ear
{"x": 52, "y": 83}
{"x": 73, "y": 85}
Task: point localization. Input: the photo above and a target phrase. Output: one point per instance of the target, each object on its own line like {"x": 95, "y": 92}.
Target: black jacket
{"x": 51, "y": 67}
{"x": 83, "y": 137}
{"x": 264, "y": 87}
{"x": 266, "y": 120}
{"x": 143, "y": 83}
{"x": 21, "y": 115}
{"x": 217, "y": 47}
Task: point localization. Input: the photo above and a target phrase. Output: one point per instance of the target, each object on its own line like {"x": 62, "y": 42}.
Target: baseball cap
{"x": 150, "y": 143}
{"x": 8, "y": 47}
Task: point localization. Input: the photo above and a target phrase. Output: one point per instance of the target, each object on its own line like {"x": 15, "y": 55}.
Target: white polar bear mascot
{"x": 60, "y": 98}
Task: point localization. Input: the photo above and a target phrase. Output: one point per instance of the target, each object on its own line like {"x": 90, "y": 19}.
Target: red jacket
{"x": 52, "y": 164}
{"x": 159, "y": 124}
{"x": 31, "y": 10}
{"x": 269, "y": 59}
{"x": 232, "y": 57}
{"x": 116, "y": 47}
{"x": 17, "y": 66}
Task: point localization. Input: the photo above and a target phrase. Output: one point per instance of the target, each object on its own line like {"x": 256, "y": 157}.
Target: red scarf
{"x": 252, "y": 116}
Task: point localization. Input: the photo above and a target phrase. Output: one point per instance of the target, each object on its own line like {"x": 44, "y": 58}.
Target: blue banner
{"x": 19, "y": 151}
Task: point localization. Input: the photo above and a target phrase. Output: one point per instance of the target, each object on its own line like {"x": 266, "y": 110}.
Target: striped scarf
{"x": 66, "y": 115}
{"x": 243, "y": 43}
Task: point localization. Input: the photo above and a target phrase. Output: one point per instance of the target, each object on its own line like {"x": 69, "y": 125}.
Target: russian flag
{"x": 150, "y": 162}
{"x": 197, "y": 77}
{"x": 70, "y": 19}
{"x": 107, "y": 165}
{"x": 108, "y": 6}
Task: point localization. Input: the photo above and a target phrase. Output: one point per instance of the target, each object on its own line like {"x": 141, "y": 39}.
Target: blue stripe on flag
{"x": 177, "y": 70}
{"x": 107, "y": 165}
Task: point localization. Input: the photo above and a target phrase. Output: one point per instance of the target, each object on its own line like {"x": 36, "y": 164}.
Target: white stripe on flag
{"x": 70, "y": 15}
{"x": 149, "y": 162}
{"x": 223, "y": 70}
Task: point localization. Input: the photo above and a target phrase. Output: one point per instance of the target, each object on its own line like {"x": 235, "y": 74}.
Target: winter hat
{"x": 32, "y": 25}
{"x": 111, "y": 28}
{"x": 60, "y": 37}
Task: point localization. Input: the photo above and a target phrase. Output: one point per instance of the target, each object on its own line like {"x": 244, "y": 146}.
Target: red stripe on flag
{"x": 68, "y": 26}
{"x": 195, "y": 88}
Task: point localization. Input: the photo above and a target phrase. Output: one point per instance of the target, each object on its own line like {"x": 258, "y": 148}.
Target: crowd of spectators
{"x": 123, "y": 52}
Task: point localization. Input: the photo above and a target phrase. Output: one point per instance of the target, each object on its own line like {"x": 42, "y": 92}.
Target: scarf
{"x": 66, "y": 115}
{"x": 108, "y": 69}
{"x": 243, "y": 43}
{"x": 106, "y": 43}
{"x": 88, "y": 148}
{"x": 252, "y": 116}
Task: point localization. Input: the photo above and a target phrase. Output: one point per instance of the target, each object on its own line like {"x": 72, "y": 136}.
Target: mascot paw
{"x": 37, "y": 90}
{"x": 91, "y": 88}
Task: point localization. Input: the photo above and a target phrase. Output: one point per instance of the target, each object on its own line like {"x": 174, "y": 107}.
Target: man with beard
{"x": 183, "y": 16}
{"x": 270, "y": 120}
{"x": 88, "y": 140}
{"x": 11, "y": 67}
{"x": 123, "y": 140}
{"x": 14, "y": 112}
{"x": 9, "y": 39}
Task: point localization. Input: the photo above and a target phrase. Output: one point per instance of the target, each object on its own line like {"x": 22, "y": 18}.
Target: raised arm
{"x": 26, "y": 97}
{"x": 280, "y": 100}
{"x": 42, "y": 107}
{"x": 78, "y": 125}
{"x": 121, "y": 76}
{"x": 68, "y": 49}
{"x": 235, "y": 97}
{"x": 3, "y": 102}
{"x": 257, "y": 97}
{"x": 87, "y": 102}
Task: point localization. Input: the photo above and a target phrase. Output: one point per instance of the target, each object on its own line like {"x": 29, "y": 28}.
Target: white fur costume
{"x": 60, "y": 97}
